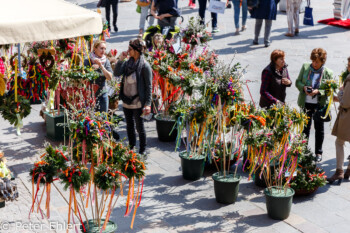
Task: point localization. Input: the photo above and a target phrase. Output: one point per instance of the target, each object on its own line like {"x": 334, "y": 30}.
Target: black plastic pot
{"x": 93, "y": 227}
{"x": 2, "y": 203}
{"x": 192, "y": 168}
{"x": 279, "y": 202}
{"x": 54, "y": 131}
{"x": 226, "y": 188}
{"x": 165, "y": 130}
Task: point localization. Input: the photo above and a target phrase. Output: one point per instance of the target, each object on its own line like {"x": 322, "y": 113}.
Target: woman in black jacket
{"x": 135, "y": 90}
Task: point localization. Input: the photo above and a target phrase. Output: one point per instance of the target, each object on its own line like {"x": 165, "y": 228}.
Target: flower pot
{"x": 305, "y": 192}
{"x": 279, "y": 202}
{"x": 2, "y": 203}
{"x": 166, "y": 129}
{"x": 226, "y": 188}
{"x": 93, "y": 228}
{"x": 192, "y": 168}
{"x": 54, "y": 131}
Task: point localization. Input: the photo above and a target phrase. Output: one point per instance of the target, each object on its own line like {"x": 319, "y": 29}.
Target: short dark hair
{"x": 277, "y": 53}
{"x": 319, "y": 53}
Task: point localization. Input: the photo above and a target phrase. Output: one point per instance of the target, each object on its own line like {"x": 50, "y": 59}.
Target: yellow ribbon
{"x": 16, "y": 73}
{"x": 329, "y": 105}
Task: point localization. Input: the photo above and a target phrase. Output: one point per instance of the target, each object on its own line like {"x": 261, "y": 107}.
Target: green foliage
{"x": 309, "y": 176}
{"x": 45, "y": 170}
{"x": 75, "y": 175}
{"x": 9, "y": 109}
{"x": 107, "y": 177}
{"x": 80, "y": 73}
{"x": 131, "y": 166}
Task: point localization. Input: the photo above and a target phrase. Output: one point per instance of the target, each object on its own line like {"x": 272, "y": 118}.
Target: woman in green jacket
{"x": 311, "y": 97}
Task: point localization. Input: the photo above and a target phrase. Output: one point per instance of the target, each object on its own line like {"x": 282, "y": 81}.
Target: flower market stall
{"x": 53, "y": 70}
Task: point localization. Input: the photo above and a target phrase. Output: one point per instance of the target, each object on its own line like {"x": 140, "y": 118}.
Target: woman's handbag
{"x": 308, "y": 18}
{"x": 320, "y": 113}
{"x": 101, "y": 3}
{"x": 143, "y": 3}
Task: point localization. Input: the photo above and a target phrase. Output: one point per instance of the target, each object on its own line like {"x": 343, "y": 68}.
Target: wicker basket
{"x": 304, "y": 192}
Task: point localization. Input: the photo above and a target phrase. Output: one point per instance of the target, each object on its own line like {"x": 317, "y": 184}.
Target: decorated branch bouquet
{"x": 276, "y": 148}
{"x": 93, "y": 169}
{"x": 175, "y": 76}
{"x": 195, "y": 33}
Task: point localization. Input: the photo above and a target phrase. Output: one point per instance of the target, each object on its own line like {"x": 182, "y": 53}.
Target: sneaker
{"x": 267, "y": 44}
{"x": 237, "y": 33}
{"x": 318, "y": 158}
{"x": 193, "y": 5}
{"x": 255, "y": 42}
{"x": 215, "y": 30}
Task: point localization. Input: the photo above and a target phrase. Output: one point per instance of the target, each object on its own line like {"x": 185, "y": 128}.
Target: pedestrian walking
{"x": 274, "y": 80}
{"x": 145, "y": 10}
{"x": 214, "y": 16}
{"x": 293, "y": 7}
{"x": 311, "y": 98}
{"x": 341, "y": 130}
{"x": 237, "y": 5}
{"x": 264, "y": 10}
{"x": 114, "y": 5}
{"x": 135, "y": 90}
{"x": 99, "y": 62}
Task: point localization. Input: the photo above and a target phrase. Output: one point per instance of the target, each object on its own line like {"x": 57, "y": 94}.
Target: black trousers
{"x": 114, "y": 4}
{"x": 133, "y": 116}
{"x": 310, "y": 109}
{"x": 214, "y": 16}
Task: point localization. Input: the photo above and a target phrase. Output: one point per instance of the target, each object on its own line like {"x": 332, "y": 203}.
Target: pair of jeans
{"x": 214, "y": 16}
{"x": 268, "y": 25}
{"x": 310, "y": 110}
{"x": 144, "y": 13}
{"x": 102, "y": 103}
{"x": 293, "y": 7}
{"x": 132, "y": 117}
{"x": 114, "y": 5}
{"x": 237, "y": 11}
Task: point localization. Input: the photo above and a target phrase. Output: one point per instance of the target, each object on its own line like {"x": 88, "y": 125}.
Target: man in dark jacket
{"x": 265, "y": 10}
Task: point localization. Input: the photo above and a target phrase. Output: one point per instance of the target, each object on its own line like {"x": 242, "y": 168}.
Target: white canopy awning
{"x": 38, "y": 20}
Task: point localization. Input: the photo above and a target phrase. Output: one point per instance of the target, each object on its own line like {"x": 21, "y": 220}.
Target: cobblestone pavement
{"x": 171, "y": 204}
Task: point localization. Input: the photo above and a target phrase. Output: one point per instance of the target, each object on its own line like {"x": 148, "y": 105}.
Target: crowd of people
{"x": 137, "y": 75}
{"x": 274, "y": 81}
{"x": 167, "y": 11}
